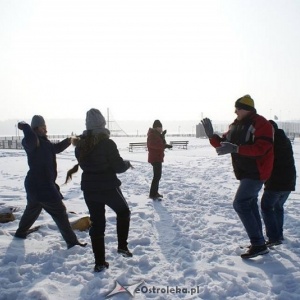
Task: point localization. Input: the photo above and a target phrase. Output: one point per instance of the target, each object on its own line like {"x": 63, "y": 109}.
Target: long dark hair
{"x": 86, "y": 145}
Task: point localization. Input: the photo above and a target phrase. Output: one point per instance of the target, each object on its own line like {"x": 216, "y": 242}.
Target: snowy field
{"x": 187, "y": 246}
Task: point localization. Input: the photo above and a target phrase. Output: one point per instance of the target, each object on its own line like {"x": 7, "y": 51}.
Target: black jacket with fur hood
{"x": 100, "y": 163}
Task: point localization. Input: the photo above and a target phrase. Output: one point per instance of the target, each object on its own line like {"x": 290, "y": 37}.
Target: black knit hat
{"x": 245, "y": 102}
{"x": 157, "y": 123}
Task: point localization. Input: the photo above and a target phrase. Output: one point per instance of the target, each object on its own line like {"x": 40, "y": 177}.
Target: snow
{"x": 187, "y": 246}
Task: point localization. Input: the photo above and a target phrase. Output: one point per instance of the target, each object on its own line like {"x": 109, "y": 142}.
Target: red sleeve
{"x": 263, "y": 139}
{"x": 215, "y": 140}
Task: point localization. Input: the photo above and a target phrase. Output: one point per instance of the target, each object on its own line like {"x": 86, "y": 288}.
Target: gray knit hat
{"x": 94, "y": 119}
{"x": 37, "y": 121}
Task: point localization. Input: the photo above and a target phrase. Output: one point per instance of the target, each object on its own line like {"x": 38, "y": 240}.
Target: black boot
{"x": 99, "y": 254}
{"x": 122, "y": 232}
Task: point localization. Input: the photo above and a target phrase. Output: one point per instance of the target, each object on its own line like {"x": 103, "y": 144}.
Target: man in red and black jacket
{"x": 249, "y": 140}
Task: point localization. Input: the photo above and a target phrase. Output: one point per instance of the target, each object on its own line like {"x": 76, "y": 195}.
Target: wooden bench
{"x": 180, "y": 144}
{"x": 137, "y": 145}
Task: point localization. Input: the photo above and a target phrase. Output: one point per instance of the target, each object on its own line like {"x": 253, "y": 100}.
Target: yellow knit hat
{"x": 245, "y": 102}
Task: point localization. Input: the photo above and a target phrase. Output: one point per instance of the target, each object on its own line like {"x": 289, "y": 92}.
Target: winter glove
{"x": 164, "y": 133}
{"x": 21, "y": 125}
{"x": 226, "y": 148}
{"x": 168, "y": 146}
{"x": 209, "y": 131}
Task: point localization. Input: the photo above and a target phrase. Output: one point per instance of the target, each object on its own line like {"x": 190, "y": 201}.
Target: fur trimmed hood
{"x": 96, "y": 138}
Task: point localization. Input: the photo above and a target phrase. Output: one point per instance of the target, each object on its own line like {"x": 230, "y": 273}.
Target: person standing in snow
{"x": 156, "y": 144}
{"x": 278, "y": 187}
{"x": 249, "y": 140}
{"x": 42, "y": 191}
{"x": 100, "y": 161}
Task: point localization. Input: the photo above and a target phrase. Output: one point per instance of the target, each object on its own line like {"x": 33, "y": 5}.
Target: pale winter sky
{"x": 166, "y": 59}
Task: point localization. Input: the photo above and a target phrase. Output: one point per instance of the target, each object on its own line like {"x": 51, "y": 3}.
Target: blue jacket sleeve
{"x": 62, "y": 145}
{"x": 30, "y": 140}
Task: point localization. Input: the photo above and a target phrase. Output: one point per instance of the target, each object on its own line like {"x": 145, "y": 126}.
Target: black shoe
{"x": 125, "y": 252}
{"x": 101, "y": 267}
{"x": 255, "y": 251}
{"x": 156, "y": 197}
{"x": 23, "y": 235}
{"x": 79, "y": 244}
{"x": 274, "y": 243}
{"x": 20, "y": 235}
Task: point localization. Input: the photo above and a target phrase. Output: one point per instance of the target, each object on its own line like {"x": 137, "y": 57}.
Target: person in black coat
{"x": 42, "y": 191}
{"x": 100, "y": 161}
{"x": 278, "y": 187}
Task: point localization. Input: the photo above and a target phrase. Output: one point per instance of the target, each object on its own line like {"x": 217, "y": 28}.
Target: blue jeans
{"x": 273, "y": 213}
{"x": 245, "y": 204}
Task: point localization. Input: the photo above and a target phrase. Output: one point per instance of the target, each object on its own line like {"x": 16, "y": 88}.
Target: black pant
{"x": 157, "y": 170}
{"x": 96, "y": 201}
{"x": 55, "y": 208}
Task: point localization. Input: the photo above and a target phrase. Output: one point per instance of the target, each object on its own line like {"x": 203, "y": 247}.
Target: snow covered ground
{"x": 184, "y": 247}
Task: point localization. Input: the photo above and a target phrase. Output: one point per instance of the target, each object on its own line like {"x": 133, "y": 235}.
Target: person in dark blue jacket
{"x": 42, "y": 191}
{"x": 100, "y": 161}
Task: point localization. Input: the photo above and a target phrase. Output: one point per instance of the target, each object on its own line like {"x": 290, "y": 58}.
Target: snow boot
{"x": 124, "y": 253}
{"x": 101, "y": 267}
{"x": 122, "y": 232}
{"x": 98, "y": 247}
{"x": 273, "y": 243}
{"x": 254, "y": 251}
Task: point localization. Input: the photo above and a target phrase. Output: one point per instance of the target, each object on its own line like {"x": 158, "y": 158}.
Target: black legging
{"x": 96, "y": 201}
{"x": 55, "y": 207}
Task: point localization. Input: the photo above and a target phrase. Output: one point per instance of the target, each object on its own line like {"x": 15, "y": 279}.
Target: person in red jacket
{"x": 156, "y": 144}
{"x": 249, "y": 140}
